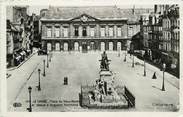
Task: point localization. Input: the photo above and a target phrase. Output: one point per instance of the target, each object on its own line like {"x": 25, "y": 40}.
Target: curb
{"x": 10, "y": 69}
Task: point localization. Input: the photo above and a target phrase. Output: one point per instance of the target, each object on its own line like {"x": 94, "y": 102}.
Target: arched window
{"x": 84, "y": 31}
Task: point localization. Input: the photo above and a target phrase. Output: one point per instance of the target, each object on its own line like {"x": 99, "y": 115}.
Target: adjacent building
{"x": 20, "y": 34}
{"x": 171, "y": 35}
{"x": 161, "y": 35}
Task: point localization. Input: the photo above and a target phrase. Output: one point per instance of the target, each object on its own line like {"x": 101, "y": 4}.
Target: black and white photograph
{"x": 93, "y": 58}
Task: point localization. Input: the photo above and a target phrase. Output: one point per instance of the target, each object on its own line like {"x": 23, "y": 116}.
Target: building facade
{"x": 161, "y": 35}
{"x": 171, "y": 35}
{"x": 20, "y": 34}
{"x": 83, "y": 29}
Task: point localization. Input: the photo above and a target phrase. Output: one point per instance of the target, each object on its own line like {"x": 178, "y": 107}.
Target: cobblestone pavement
{"x": 83, "y": 68}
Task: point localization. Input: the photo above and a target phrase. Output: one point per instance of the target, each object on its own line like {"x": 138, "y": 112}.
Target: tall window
{"x": 76, "y": 32}
{"x": 119, "y": 31}
{"x": 65, "y": 31}
{"x": 102, "y": 32}
{"x": 84, "y": 31}
{"x": 110, "y": 31}
{"x": 92, "y": 31}
{"x": 48, "y": 31}
{"x": 57, "y": 32}
{"x": 130, "y": 31}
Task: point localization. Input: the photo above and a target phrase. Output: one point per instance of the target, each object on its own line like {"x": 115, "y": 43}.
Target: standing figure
{"x": 104, "y": 61}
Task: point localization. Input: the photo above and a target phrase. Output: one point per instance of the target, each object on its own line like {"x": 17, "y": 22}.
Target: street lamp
{"x": 44, "y": 74}
{"x": 50, "y": 56}
{"x": 30, "y": 106}
{"x": 163, "y": 85}
{"x": 144, "y": 67}
{"x": 39, "y": 84}
{"x": 125, "y": 58}
{"x": 118, "y": 51}
{"x": 133, "y": 61}
{"x": 47, "y": 61}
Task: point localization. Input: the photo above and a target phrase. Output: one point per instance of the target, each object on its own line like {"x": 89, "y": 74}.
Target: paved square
{"x": 82, "y": 69}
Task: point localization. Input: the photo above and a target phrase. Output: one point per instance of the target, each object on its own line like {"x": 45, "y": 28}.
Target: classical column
{"x": 80, "y": 31}
{"x": 61, "y": 31}
{"x": 53, "y": 31}
{"x": 88, "y": 30}
{"x": 107, "y": 30}
{"x": 71, "y": 30}
{"x": 115, "y": 31}
{"x": 97, "y": 30}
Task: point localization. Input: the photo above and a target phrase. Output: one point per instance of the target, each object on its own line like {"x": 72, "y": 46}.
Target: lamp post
{"x": 44, "y": 74}
{"x": 163, "y": 84}
{"x": 144, "y": 67}
{"x": 132, "y": 50}
{"x": 118, "y": 51}
{"x": 133, "y": 61}
{"x": 47, "y": 61}
{"x": 30, "y": 106}
{"x": 39, "y": 84}
{"x": 50, "y": 56}
{"x": 125, "y": 58}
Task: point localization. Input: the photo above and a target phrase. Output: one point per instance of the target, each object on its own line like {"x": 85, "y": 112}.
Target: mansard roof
{"x": 98, "y": 12}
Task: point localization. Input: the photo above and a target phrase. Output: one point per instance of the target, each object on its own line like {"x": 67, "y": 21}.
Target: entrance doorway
{"x": 110, "y": 46}
{"x": 76, "y": 46}
{"x": 119, "y": 46}
{"x": 65, "y": 46}
{"x": 92, "y": 45}
{"x": 84, "y": 47}
{"x": 48, "y": 46}
{"x": 102, "y": 46}
{"x": 57, "y": 46}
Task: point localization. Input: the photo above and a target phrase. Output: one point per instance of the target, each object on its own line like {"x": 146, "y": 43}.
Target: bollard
{"x": 47, "y": 62}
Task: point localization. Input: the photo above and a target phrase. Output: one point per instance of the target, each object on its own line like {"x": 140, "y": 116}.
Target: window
{"x": 48, "y": 31}
{"x": 57, "y": 31}
{"x": 102, "y": 31}
{"x": 119, "y": 31}
{"x": 178, "y": 22}
{"x": 84, "y": 31}
{"x": 130, "y": 31}
{"x": 76, "y": 32}
{"x": 92, "y": 31}
{"x": 65, "y": 31}
{"x": 110, "y": 31}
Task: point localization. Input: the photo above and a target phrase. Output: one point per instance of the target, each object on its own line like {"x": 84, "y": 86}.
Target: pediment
{"x": 84, "y": 18}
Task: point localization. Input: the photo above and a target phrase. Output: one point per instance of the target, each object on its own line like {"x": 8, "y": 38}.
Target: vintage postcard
{"x": 93, "y": 57}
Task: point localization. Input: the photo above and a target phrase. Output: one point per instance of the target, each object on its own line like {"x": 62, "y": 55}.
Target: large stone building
{"x": 87, "y": 28}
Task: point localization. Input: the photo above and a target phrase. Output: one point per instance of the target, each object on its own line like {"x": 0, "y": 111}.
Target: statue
{"x": 104, "y": 62}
